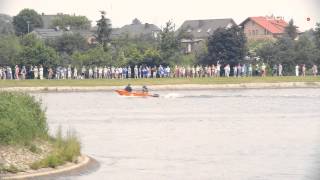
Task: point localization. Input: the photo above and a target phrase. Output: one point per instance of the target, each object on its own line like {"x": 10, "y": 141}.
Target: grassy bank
{"x": 24, "y": 139}
{"x": 162, "y": 81}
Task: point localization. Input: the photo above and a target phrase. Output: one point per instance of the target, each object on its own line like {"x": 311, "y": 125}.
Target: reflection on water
{"x": 222, "y": 134}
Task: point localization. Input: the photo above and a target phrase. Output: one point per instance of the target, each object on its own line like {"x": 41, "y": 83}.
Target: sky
{"x": 158, "y": 12}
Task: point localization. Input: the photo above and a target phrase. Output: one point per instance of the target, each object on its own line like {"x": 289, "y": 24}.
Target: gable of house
{"x": 202, "y": 29}
{"x": 136, "y": 30}
{"x": 270, "y": 24}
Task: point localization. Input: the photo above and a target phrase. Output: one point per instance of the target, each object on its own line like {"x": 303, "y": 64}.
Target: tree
{"x": 35, "y": 52}
{"x": 9, "y": 50}
{"x": 74, "y": 22}
{"x": 151, "y": 57}
{"x": 104, "y": 30}
{"x": 228, "y": 46}
{"x": 93, "y": 56}
{"x": 291, "y": 30}
{"x": 289, "y": 52}
{"x": 169, "y": 44}
{"x": 69, "y": 43}
{"x": 6, "y": 26}
{"x": 317, "y": 35}
{"x": 25, "y": 17}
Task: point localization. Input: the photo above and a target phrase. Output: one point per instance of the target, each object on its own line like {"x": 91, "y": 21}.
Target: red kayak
{"x": 135, "y": 93}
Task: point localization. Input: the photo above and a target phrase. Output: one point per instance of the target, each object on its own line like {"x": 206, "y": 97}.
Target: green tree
{"x": 104, "y": 30}
{"x": 93, "y": 56}
{"x": 292, "y": 30}
{"x": 133, "y": 54}
{"x": 74, "y": 22}
{"x": 169, "y": 44}
{"x": 25, "y": 17}
{"x": 69, "y": 43}
{"x": 151, "y": 57}
{"x": 35, "y": 52}
{"x": 9, "y": 50}
{"x": 306, "y": 51}
{"x": 6, "y": 26}
{"x": 121, "y": 59}
{"x": 228, "y": 46}
{"x": 317, "y": 35}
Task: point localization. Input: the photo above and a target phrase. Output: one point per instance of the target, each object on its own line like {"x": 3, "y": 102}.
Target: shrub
{"x": 21, "y": 118}
{"x": 64, "y": 150}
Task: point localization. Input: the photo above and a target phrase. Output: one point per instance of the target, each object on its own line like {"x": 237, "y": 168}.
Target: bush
{"x": 65, "y": 150}
{"x": 21, "y": 119}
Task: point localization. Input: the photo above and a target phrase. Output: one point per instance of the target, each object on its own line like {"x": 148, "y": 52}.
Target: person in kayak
{"x": 128, "y": 88}
{"x": 145, "y": 89}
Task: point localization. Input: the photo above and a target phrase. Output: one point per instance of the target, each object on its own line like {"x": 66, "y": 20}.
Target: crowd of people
{"x": 100, "y": 72}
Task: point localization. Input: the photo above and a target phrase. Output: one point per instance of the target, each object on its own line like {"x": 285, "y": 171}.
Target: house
{"x": 268, "y": 27}
{"x": 136, "y": 29}
{"x": 49, "y": 34}
{"x": 198, "y": 31}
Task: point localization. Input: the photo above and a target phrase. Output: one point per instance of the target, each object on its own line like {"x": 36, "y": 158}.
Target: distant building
{"x": 47, "y": 34}
{"x": 199, "y": 31}
{"x": 50, "y": 32}
{"x": 268, "y": 27}
{"x": 136, "y": 29}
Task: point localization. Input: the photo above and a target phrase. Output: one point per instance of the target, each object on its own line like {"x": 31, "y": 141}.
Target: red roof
{"x": 273, "y": 25}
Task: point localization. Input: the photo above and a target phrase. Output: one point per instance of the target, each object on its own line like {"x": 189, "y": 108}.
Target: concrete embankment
{"x": 169, "y": 87}
{"x": 84, "y": 163}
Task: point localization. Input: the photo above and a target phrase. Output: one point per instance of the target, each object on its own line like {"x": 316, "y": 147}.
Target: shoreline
{"x": 168, "y": 87}
{"x": 85, "y": 162}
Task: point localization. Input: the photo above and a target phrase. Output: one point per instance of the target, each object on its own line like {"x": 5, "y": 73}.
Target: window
{"x": 209, "y": 30}
{"x": 199, "y": 30}
{"x": 229, "y": 26}
{"x": 189, "y": 48}
{"x": 189, "y": 30}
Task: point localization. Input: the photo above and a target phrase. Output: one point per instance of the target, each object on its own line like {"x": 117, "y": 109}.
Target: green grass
{"x": 10, "y": 169}
{"x": 64, "y": 150}
{"x": 22, "y": 122}
{"x": 162, "y": 81}
{"x": 21, "y": 119}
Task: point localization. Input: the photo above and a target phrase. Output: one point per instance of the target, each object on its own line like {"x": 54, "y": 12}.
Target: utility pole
{"x": 28, "y": 22}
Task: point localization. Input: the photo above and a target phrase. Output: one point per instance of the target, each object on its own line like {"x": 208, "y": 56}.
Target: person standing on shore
{"x": 280, "y": 69}
{"x": 16, "y": 72}
{"x": 69, "y": 72}
{"x": 90, "y": 73}
{"x": 1, "y": 72}
{"x": 50, "y": 73}
{"x": 250, "y": 70}
{"x": 129, "y": 72}
{"x": 35, "y": 72}
{"x": 75, "y": 73}
{"x": 263, "y": 70}
{"x": 314, "y": 70}
{"x": 274, "y": 70}
{"x": 41, "y": 72}
{"x": 83, "y": 72}
{"x": 23, "y": 73}
{"x": 303, "y": 70}
{"x": 136, "y": 72}
{"x": 297, "y": 70}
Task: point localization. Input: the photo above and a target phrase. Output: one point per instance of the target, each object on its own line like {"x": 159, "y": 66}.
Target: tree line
{"x": 224, "y": 46}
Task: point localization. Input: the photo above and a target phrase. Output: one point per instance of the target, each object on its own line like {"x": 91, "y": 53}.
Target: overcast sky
{"x": 158, "y": 12}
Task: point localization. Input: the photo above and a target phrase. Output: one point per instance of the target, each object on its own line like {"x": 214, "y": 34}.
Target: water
{"x": 270, "y": 134}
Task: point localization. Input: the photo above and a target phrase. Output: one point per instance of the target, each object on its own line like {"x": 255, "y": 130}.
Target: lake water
{"x": 255, "y": 134}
